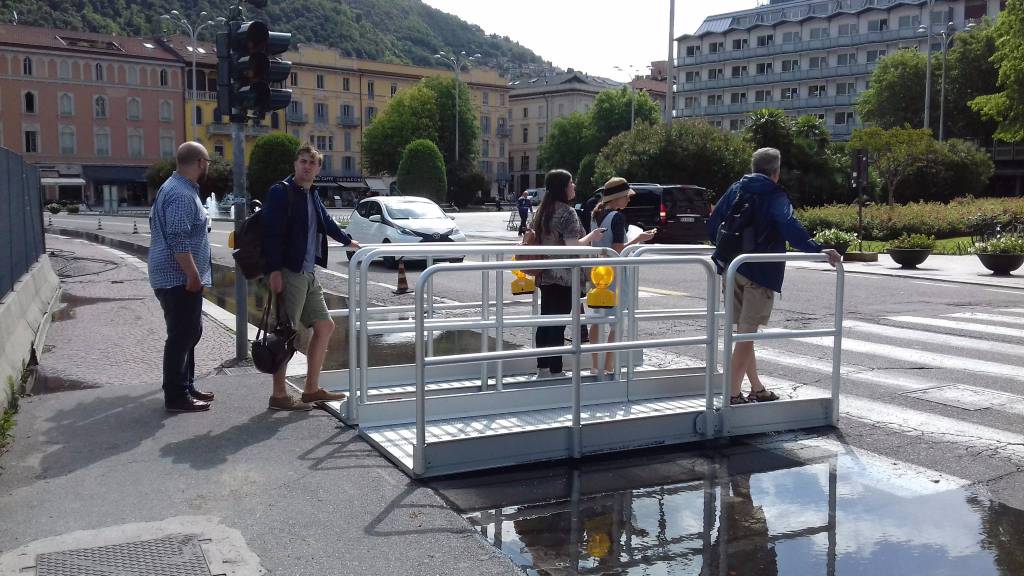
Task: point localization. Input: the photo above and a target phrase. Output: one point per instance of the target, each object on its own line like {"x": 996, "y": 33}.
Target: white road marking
{"x": 1013, "y": 310}
{"x": 933, "y": 337}
{"x": 935, "y": 284}
{"x": 1017, "y": 292}
{"x": 989, "y": 317}
{"x": 661, "y": 292}
{"x": 216, "y": 245}
{"x": 955, "y": 325}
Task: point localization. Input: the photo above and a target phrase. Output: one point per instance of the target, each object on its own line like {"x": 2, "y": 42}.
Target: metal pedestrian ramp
{"x": 469, "y": 411}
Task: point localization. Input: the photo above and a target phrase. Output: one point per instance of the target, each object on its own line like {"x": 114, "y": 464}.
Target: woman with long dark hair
{"x": 556, "y": 224}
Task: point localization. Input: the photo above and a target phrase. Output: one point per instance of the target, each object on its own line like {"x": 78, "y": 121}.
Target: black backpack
{"x": 248, "y": 252}
{"x": 736, "y": 234}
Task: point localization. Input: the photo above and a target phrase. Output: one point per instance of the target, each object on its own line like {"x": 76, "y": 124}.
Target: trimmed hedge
{"x": 960, "y": 217}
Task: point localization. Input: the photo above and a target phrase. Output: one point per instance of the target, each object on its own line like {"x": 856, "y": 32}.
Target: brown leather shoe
{"x": 187, "y": 404}
{"x": 200, "y": 395}
{"x": 288, "y": 403}
{"x": 322, "y": 395}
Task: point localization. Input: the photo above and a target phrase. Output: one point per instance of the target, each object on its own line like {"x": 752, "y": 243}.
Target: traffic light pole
{"x": 241, "y": 210}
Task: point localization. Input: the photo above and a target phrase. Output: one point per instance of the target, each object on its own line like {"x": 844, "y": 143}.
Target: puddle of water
{"x": 744, "y": 510}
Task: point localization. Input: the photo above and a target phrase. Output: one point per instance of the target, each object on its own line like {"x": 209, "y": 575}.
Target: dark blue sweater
{"x": 775, "y": 224}
{"x": 284, "y": 241}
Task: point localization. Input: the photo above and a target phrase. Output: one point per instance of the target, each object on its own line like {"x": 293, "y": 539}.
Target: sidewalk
{"x": 960, "y": 269}
{"x": 101, "y": 463}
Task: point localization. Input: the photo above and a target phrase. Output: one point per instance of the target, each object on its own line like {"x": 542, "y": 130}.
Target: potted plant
{"x": 1002, "y": 254}
{"x": 835, "y": 238}
{"x": 53, "y": 208}
{"x": 909, "y": 250}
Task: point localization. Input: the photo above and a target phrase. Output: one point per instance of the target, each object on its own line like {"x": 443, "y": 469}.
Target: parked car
{"x": 535, "y": 195}
{"x": 401, "y": 219}
{"x": 678, "y": 212}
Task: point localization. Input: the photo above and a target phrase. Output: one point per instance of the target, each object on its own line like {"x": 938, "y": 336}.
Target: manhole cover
{"x": 962, "y": 396}
{"x": 178, "y": 555}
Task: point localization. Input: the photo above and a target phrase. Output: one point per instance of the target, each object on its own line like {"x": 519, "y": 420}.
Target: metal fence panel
{"x": 21, "y": 224}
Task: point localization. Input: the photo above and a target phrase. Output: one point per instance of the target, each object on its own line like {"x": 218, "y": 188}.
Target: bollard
{"x": 49, "y": 221}
{"x": 403, "y": 284}
{"x": 99, "y": 223}
{"x": 135, "y": 226}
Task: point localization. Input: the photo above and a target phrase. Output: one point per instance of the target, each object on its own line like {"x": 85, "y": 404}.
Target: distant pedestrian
{"x": 295, "y": 231}
{"x": 524, "y": 206}
{"x": 556, "y": 224}
{"x": 774, "y": 224}
{"x": 179, "y": 269}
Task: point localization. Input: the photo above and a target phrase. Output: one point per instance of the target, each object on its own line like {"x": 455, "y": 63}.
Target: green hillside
{"x": 397, "y": 31}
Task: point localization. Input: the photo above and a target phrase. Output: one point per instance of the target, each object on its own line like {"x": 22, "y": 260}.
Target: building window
{"x": 485, "y": 148}
{"x": 847, "y": 59}
{"x": 790, "y": 93}
{"x": 874, "y": 55}
{"x": 319, "y": 81}
{"x": 347, "y": 166}
{"x": 689, "y": 102}
{"x": 31, "y": 141}
{"x": 485, "y": 96}
{"x": 163, "y": 78}
{"x": 938, "y": 17}
{"x": 524, "y": 163}
{"x": 847, "y": 29}
{"x": 218, "y": 149}
{"x": 909, "y": 21}
{"x": 165, "y": 111}
{"x": 716, "y": 73}
{"x": 846, "y": 89}
{"x": 346, "y": 111}
{"x": 817, "y": 62}
{"x": 134, "y": 109}
{"x": 501, "y": 148}
{"x": 64, "y": 72}
{"x": 485, "y": 125}
{"x": 763, "y": 96}
{"x": 541, "y": 133}
{"x": 879, "y": 25}
{"x": 321, "y": 143}
{"x": 135, "y": 143}
{"x": 739, "y": 43}
{"x": 526, "y": 111}
{"x": 100, "y": 107}
{"x": 30, "y": 103}
{"x": 526, "y": 134}
{"x": 737, "y": 124}
{"x": 133, "y": 75}
{"x": 345, "y": 84}
{"x": 716, "y": 47}
{"x": 67, "y": 140}
{"x": 738, "y": 71}
{"x": 293, "y": 78}
{"x": 199, "y": 115}
{"x": 371, "y": 111}
{"x": 843, "y": 118}
{"x": 693, "y": 76}
{"x": 818, "y": 91}
{"x": 369, "y": 90}
{"x": 275, "y": 121}
{"x": 790, "y": 37}
{"x": 348, "y": 141}
{"x": 765, "y": 40}
{"x": 66, "y": 105}
{"x": 102, "y": 142}
{"x": 716, "y": 99}
{"x": 167, "y": 147}
{"x": 790, "y": 65}
{"x": 692, "y": 50}
{"x": 99, "y": 72}
{"x": 26, "y": 66}
{"x": 737, "y": 97}
{"x": 394, "y": 89}
{"x": 819, "y": 33}
{"x": 764, "y": 68}
{"x": 321, "y": 113}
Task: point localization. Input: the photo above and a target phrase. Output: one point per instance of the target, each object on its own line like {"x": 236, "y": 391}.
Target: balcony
{"x": 296, "y": 117}
{"x": 747, "y": 107}
{"x": 347, "y": 121}
{"x": 320, "y": 121}
{"x": 804, "y": 46}
{"x": 777, "y": 77}
{"x": 225, "y": 129}
{"x": 201, "y": 95}
{"x": 503, "y": 132}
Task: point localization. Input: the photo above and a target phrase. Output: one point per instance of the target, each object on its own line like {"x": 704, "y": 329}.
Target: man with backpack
{"x": 295, "y": 230}
{"x": 756, "y": 216}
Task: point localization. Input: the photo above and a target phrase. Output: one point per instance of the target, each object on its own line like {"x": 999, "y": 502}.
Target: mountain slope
{"x": 399, "y": 31}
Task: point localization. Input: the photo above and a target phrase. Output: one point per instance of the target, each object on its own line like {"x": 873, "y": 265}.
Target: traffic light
{"x": 247, "y": 65}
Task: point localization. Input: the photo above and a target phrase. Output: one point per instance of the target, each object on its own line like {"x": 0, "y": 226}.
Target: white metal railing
{"x": 576, "y": 349}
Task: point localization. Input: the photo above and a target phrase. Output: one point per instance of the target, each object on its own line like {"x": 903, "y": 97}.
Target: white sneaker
{"x": 542, "y": 373}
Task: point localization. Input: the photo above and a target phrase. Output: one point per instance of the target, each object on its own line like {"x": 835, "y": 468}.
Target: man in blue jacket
{"x": 775, "y": 224}
{"x": 295, "y": 230}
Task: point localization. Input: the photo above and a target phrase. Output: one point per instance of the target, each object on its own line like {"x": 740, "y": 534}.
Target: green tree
{"x": 896, "y": 94}
{"x": 411, "y": 115}
{"x": 218, "y": 178}
{"x": 422, "y": 173}
{"x": 159, "y": 172}
{"x": 570, "y": 139}
{"x": 687, "y": 152}
{"x": 469, "y": 130}
{"x": 895, "y": 153}
{"x": 611, "y": 112}
{"x": 272, "y": 160}
{"x": 1007, "y": 106}
{"x": 970, "y": 73}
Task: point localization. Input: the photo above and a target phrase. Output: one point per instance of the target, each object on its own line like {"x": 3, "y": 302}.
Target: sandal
{"x": 762, "y": 395}
{"x": 738, "y": 399}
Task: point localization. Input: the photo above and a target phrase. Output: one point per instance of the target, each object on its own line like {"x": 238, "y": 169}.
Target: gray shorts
{"x": 303, "y": 299}
{"x": 752, "y": 303}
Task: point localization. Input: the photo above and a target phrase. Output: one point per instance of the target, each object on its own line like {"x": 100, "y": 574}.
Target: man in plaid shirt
{"x": 179, "y": 268}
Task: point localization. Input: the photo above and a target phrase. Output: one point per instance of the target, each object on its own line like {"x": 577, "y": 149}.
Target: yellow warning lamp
{"x": 523, "y": 284}
{"x": 600, "y": 296}
{"x": 231, "y": 240}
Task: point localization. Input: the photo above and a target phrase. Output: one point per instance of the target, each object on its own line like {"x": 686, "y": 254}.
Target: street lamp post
{"x": 457, "y": 61}
{"x": 174, "y": 17}
{"x": 631, "y": 70}
{"x": 927, "y": 28}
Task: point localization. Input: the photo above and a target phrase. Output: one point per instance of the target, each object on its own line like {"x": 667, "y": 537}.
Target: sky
{"x": 592, "y": 36}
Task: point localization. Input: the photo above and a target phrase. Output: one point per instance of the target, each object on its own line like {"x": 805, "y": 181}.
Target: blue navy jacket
{"x": 284, "y": 241}
{"x": 774, "y": 224}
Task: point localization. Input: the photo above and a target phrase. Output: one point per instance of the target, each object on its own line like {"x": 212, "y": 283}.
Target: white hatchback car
{"x": 401, "y": 219}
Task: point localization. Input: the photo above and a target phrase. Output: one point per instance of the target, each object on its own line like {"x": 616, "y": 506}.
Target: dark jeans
{"x": 183, "y": 314}
{"x": 554, "y": 300}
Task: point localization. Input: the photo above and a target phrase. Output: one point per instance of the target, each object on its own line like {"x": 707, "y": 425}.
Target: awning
{"x": 114, "y": 174}
{"x": 62, "y": 181}
{"x": 376, "y": 184}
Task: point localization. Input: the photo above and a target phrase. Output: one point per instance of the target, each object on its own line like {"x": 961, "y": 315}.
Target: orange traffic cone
{"x": 135, "y": 226}
{"x": 99, "y": 223}
{"x": 403, "y": 284}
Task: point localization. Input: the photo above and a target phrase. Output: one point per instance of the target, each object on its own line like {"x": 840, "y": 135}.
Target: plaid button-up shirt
{"x": 178, "y": 224}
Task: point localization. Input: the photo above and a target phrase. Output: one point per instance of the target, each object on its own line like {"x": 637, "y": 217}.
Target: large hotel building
{"x": 804, "y": 56}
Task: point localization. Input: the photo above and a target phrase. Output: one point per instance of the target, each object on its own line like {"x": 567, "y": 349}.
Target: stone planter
{"x": 841, "y": 248}
{"x": 855, "y": 256}
{"x": 1001, "y": 264}
{"x": 909, "y": 258}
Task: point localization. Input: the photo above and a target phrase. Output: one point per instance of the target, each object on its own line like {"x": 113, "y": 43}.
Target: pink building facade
{"x": 92, "y": 111}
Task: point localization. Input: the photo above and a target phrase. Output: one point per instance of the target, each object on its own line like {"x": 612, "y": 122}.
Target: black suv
{"x": 679, "y": 212}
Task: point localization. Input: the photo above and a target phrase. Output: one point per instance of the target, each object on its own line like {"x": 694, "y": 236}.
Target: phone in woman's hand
{"x": 601, "y": 230}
